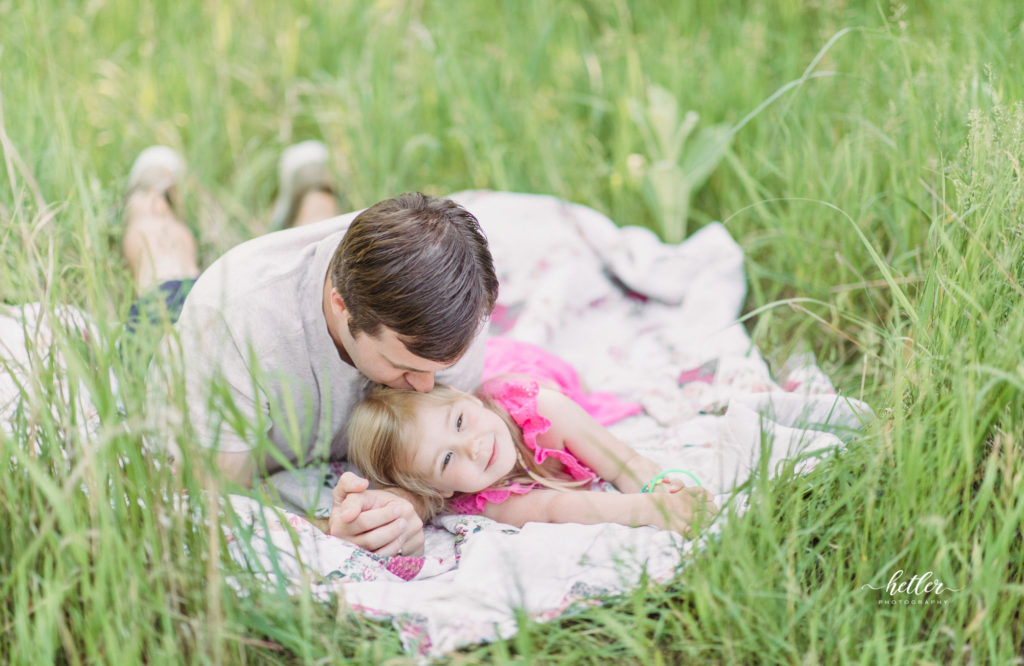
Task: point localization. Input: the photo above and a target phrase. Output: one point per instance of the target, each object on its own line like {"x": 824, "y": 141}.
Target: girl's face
{"x": 461, "y": 447}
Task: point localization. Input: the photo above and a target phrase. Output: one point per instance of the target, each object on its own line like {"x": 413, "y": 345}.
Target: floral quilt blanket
{"x": 654, "y": 323}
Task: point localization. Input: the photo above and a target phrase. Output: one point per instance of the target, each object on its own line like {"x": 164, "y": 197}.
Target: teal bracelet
{"x": 649, "y": 486}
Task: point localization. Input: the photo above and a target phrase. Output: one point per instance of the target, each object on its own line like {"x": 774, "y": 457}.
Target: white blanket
{"x": 653, "y": 323}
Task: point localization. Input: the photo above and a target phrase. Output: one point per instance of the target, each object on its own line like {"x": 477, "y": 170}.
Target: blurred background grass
{"x": 871, "y": 174}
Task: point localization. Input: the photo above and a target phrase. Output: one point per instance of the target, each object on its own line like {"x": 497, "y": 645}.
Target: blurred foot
{"x": 306, "y": 193}
{"x": 157, "y": 169}
{"x": 157, "y": 245}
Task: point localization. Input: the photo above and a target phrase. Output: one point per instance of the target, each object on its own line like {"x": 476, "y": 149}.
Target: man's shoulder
{"x": 267, "y": 262}
{"x": 264, "y": 280}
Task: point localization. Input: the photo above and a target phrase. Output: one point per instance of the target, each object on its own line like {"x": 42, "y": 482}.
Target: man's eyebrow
{"x": 402, "y": 366}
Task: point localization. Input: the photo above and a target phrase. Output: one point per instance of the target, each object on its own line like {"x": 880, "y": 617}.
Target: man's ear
{"x": 337, "y": 302}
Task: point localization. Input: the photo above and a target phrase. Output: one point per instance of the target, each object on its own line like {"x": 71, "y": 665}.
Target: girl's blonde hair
{"x": 380, "y": 429}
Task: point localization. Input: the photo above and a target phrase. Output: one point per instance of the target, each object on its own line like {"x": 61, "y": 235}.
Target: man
{"x": 281, "y": 334}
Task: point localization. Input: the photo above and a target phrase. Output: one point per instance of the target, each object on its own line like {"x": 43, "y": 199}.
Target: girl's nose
{"x": 474, "y": 447}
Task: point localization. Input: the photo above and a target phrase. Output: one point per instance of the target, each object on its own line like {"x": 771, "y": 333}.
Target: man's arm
{"x": 237, "y": 466}
{"x": 219, "y": 390}
{"x": 180, "y": 368}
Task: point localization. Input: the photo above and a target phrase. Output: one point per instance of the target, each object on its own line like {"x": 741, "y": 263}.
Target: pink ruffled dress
{"x": 518, "y": 396}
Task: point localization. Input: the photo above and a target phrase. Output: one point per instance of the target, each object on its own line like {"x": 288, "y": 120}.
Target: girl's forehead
{"x": 431, "y": 411}
{"x": 426, "y": 436}
{"x": 429, "y": 421}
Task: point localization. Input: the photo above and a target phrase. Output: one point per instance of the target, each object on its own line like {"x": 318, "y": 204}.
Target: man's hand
{"x": 684, "y": 507}
{"x": 377, "y": 520}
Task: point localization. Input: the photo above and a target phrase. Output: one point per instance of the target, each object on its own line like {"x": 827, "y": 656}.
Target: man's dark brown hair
{"x": 421, "y": 267}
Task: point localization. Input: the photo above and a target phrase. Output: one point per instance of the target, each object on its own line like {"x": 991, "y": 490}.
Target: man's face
{"x": 382, "y": 358}
{"x": 385, "y": 360}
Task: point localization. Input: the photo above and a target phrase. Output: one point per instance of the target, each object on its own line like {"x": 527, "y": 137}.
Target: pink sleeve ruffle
{"x": 475, "y": 503}
{"x": 519, "y": 398}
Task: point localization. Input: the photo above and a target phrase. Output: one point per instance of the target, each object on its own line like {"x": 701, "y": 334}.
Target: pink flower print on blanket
{"x": 405, "y": 567}
{"x": 704, "y": 373}
{"x": 751, "y": 375}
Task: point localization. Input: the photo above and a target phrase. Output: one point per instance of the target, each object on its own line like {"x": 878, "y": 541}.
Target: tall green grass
{"x": 873, "y": 179}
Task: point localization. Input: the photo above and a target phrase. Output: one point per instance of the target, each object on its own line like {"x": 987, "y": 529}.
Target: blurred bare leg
{"x": 314, "y": 206}
{"x": 157, "y": 245}
{"x": 305, "y": 188}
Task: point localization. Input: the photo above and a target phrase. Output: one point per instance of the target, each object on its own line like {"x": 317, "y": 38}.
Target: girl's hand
{"x": 669, "y": 486}
{"x": 681, "y": 507}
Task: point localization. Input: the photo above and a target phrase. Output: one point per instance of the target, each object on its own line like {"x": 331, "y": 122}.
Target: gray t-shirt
{"x": 257, "y": 354}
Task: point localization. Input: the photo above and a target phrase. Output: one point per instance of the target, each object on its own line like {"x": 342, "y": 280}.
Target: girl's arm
{"x": 576, "y": 431}
{"x": 669, "y": 511}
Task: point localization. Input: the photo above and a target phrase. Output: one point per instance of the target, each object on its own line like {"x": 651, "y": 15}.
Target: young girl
{"x": 518, "y": 450}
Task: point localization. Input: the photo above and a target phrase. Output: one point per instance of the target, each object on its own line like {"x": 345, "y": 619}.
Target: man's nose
{"x": 420, "y": 381}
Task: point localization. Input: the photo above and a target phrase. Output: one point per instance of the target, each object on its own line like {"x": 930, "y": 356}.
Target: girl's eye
{"x": 458, "y": 423}
{"x": 447, "y": 459}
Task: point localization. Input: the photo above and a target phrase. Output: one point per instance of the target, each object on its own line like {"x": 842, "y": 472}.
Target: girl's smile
{"x": 494, "y": 454}
{"x": 461, "y": 447}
